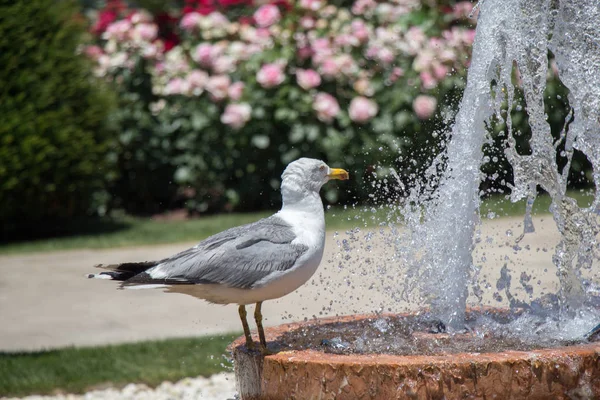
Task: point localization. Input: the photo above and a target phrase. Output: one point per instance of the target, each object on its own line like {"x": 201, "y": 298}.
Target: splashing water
{"x": 440, "y": 240}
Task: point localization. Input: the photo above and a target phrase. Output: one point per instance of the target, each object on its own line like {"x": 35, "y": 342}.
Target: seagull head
{"x": 307, "y": 175}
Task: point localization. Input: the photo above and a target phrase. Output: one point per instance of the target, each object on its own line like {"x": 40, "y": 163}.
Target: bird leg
{"x": 259, "y": 326}
{"x": 249, "y": 342}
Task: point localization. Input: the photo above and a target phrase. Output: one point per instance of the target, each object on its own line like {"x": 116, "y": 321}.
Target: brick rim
{"x": 534, "y": 374}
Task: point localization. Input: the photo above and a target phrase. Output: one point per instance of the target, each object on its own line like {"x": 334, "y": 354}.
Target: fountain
{"x": 450, "y": 350}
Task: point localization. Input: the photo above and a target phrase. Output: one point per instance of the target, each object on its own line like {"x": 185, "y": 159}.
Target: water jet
{"x": 547, "y": 354}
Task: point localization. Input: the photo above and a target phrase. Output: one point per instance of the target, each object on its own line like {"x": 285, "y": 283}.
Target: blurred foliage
{"x": 52, "y": 137}
{"x": 173, "y": 149}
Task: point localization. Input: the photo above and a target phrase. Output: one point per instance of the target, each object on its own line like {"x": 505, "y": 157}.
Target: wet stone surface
{"x": 419, "y": 335}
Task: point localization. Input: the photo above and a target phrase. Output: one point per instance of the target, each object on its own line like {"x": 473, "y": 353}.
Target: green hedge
{"x": 53, "y": 142}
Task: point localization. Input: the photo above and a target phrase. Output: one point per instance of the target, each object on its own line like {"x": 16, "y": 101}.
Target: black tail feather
{"x": 124, "y": 271}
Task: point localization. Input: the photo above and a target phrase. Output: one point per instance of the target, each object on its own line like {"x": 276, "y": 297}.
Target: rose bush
{"x": 217, "y": 97}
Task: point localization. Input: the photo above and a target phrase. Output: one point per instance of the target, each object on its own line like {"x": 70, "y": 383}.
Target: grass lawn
{"x": 73, "y": 370}
{"x": 131, "y": 231}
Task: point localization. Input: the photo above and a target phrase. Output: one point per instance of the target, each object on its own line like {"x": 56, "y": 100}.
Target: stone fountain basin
{"x": 564, "y": 372}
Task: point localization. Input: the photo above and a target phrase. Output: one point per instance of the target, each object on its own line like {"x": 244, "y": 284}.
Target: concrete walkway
{"x": 46, "y": 301}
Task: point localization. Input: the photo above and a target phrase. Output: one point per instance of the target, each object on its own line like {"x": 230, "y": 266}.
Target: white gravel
{"x": 217, "y": 387}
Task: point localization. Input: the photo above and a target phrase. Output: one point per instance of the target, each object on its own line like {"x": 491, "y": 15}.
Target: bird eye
{"x": 322, "y": 167}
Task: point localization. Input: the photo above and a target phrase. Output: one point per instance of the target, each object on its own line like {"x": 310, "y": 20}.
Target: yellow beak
{"x": 338, "y": 173}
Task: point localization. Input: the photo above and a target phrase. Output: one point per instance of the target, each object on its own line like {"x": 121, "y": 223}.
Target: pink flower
{"x": 236, "y": 90}
{"x": 118, "y": 30}
{"x": 190, "y": 21}
{"x": 304, "y": 52}
{"x": 346, "y": 64}
{"x": 397, "y": 72}
{"x": 359, "y": 30}
{"x": 267, "y": 15}
{"x": 93, "y": 52}
{"x": 414, "y": 40}
{"x": 218, "y": 86}
{"x": 312, "y": 5}
{"x": 330, "y": 68}
{"x": 205, "y": 54}
{"x": 308, "y": 78}
{"x": 326, "y": 107}
{"x": 197, "y": 80}
{"x": 469, "y": 36}
{"x": 270, "y": 75}
{"x": 428, "y": 80}
{"x": 362, "y": 109}
{"x": 385, "y": 55}
{"x": 462, "y": 9}
{"x": 236, "y": 115}
{"x": 424, "y": 106}
{"x": 140, "y": 17}
{"x": 262, "y": 33}
{"x": 177, "y": 86}
{"x": 440, "y": 71}
{"x": 223, "y": 65}
{"x": 145, "y": 31}
{"x": 346, "y": 40}
{"x": 362, "y": 6}
{"x": 307, "y": 22}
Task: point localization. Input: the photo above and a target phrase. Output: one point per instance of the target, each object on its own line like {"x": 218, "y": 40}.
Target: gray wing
{"x": 238, "y": 257}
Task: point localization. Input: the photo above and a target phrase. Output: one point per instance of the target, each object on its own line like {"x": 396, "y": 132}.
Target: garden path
{"x": 46, "y": 302}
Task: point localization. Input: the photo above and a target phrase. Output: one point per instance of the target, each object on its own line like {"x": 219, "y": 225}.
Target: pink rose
{"x": 118, "y": 30}
{"x": 236, "y": 115}
{"x": 304, "y": 52}
{"x": 397, "y": 72}
{"x": 94, "y": 52}
{"x": 385, "y": 55}
{"x": 326, "y": 107}
{"x": 330, "y": 68}
{"x": 307, "y": 22}
{"x": 218, "y": 86}
{"x": 346, "y": 40}
{"x": 462, "y": 9}
{"x": 190, "y": 21}
{"x": 262, "y": 33}
{"x": 362, "y": 6}
{"x": 312, "y": 5}
{"x": 360, "y": 30}
{"x": 177, "y": 86}
{"x": 440, "y": 71}
{"x": 428, "y": 80}
{"x": 414, "y": 40}
{"x": 140, "y": 16}
{"x": 469, "y": 36}
{"x": 236, "y": 90}
{"x": 424, "y": 106}
{"x": 267, "y": 15}
{"x": 146, "y": 32}
{"x": 321, "y": 45}
{"x": 197, "y": 80}
{"x": 270, "y": 75}
{"x": 362, "y": 109}
{"x": 205, "y": 54}
{"x": 308, "y": 78}
{"x": 223, "y": 65}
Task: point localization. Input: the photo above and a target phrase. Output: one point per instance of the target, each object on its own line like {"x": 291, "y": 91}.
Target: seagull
{"x": 251, "y": 263}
